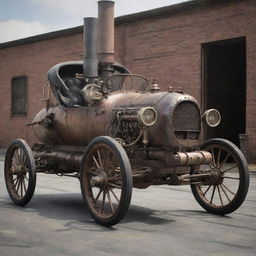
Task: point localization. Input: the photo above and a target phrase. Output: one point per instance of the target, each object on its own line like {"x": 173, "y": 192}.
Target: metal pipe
{"x": 106, "y": 31}
{"x": 182, "y": 158}
{"x": 193, "y": 158}
{"x": 90, "y": 65}
{"x": 68, "y": 160}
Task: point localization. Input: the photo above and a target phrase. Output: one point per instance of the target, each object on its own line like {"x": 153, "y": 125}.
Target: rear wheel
{"x": 227, "y": 188}
{"x": 106, "y": 180}
{"x": 20, "y": 174}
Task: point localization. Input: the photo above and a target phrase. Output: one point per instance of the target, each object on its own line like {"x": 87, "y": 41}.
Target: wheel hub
{"x": 18, "y": 170}
{"x": 100, "y": 181}
{"x": 216, "y": 177}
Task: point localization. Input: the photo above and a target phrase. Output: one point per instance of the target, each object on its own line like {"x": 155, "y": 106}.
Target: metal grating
{"x": 187, "y": 121}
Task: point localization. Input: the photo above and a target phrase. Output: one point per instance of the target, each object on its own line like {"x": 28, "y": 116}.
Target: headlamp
{"x": 211, "y": 117}
{"x": 147, "y": 116}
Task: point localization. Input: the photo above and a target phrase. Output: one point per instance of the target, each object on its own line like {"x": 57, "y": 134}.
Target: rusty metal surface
{"x": 90, "y": 65}
{"x": 181, "y": 158}
{"x": 61, "y": 161}
{"x": 78, "y": 126}
{"x": 106, "y": 31}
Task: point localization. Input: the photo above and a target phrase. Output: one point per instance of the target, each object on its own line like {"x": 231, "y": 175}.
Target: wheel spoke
{"x": 26, "y": 177}
{"x": 220, "y": 195}
{"x": 115, "y": 178}
{"x": 97, "y": 164}
{"x": 112, "y": 163}
{"x": 107, "y": 162}
{"x": 19, "y": 156}
{"x": 232, "y": 178}
{"x": 114, "y": 185}
{"x": 228, "y": 189}
{"x": 229, "y": 169}
{"x": 16, "y": 157}
{"x": 213, "y": 157}
{"x": 103, "y": 201}
{"x": 98, "y": 195}
{"x": 24, "y": 162}
{"x": 211, "y": 165}
{"x": 113, "y": 166}
{"x": 13, "y": 180}
{"x": 19, "y": 182}
{"x": 225, "y": 160}
{"x": 225, "y": 192}
{"x": 214, "y": 187}
{"x": 207, "y": 190}
{"x": 24, "y": 186}
{"x": 111, "y": 190}
{"x": 15, "y": 184}
{"x": 22, "y": 156}
{"x": 100, "y": 159}
{"x": 21, "y": 186}
{"x": 110, "y": 202}
{"x": 218, "y": 158}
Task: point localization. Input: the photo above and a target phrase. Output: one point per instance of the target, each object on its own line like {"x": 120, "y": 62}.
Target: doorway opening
{"x": 224, "y": 86}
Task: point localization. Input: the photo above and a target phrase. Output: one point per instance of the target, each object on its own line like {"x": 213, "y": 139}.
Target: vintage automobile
{"x": 114, "y": 130}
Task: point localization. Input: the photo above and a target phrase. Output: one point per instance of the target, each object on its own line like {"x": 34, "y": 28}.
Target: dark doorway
{"x": 224, "y": 86}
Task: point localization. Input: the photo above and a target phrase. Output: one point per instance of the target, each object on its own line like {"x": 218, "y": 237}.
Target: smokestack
{"x": 90, "y": 65}
{"x": 106, "y": 31}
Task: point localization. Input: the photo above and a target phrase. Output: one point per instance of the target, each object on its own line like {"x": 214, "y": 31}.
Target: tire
{"x": 106, "y": 175}
{"x": 231, "y": 181}
{"x": 20, "y": 172}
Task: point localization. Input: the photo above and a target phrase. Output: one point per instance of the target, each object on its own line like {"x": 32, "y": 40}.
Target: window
{"x": 19, "y": 95}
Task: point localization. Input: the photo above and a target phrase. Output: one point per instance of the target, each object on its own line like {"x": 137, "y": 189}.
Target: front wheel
{"x": 106, "y": 180}
{"x": 227, "y": 188}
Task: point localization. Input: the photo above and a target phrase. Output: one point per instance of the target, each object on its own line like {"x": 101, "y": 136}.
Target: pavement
{"x": 162, "y": 221}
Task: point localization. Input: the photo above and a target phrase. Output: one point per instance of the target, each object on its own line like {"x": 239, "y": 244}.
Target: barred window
{"x": 19, "y": 95}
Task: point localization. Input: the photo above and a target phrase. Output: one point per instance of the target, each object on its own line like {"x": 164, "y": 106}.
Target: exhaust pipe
{"x": 90, "y": 64}
{"x": 106, "y": 31}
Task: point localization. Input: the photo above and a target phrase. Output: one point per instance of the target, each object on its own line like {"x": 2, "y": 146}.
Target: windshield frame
{"x": 131, "y": 76}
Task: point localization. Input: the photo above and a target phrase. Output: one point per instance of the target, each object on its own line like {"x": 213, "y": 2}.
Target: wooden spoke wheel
{"x": 106, "y": 180}
{"x": 228, "y": 184}
{"x": 20, "y": 175}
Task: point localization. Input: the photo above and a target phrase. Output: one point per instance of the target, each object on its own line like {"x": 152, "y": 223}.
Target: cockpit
{"x": 71, "y": 89}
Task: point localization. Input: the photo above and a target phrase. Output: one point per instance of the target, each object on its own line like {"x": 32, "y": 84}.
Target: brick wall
{"x": 32, "y": 60}
{"x": 166, "y": 47}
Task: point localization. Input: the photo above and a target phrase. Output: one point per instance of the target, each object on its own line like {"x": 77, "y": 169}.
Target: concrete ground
{"x": 162, "y": 221}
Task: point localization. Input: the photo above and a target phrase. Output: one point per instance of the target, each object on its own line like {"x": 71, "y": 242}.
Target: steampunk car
{"x": 114, "y": 130}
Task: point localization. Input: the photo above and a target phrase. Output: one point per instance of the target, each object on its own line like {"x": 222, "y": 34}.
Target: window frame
{"x": 24, "y": 113}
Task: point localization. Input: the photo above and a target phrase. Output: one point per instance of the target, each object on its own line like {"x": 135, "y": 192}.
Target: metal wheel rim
{"x": 221, "y": 195}
{"x": 104, "y": 195}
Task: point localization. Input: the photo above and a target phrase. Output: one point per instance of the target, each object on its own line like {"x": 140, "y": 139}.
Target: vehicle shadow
{"x": 72, "y": 209}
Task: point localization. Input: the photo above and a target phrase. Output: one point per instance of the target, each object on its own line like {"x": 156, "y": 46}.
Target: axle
{"x": 68, "y": 159}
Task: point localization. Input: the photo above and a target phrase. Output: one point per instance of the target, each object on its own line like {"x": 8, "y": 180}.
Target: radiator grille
{"x": 187, "y": 121}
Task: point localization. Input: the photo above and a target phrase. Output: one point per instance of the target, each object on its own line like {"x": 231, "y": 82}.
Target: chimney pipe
{"x": 106, "y": 31}
{"x": 90, "y": 65}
